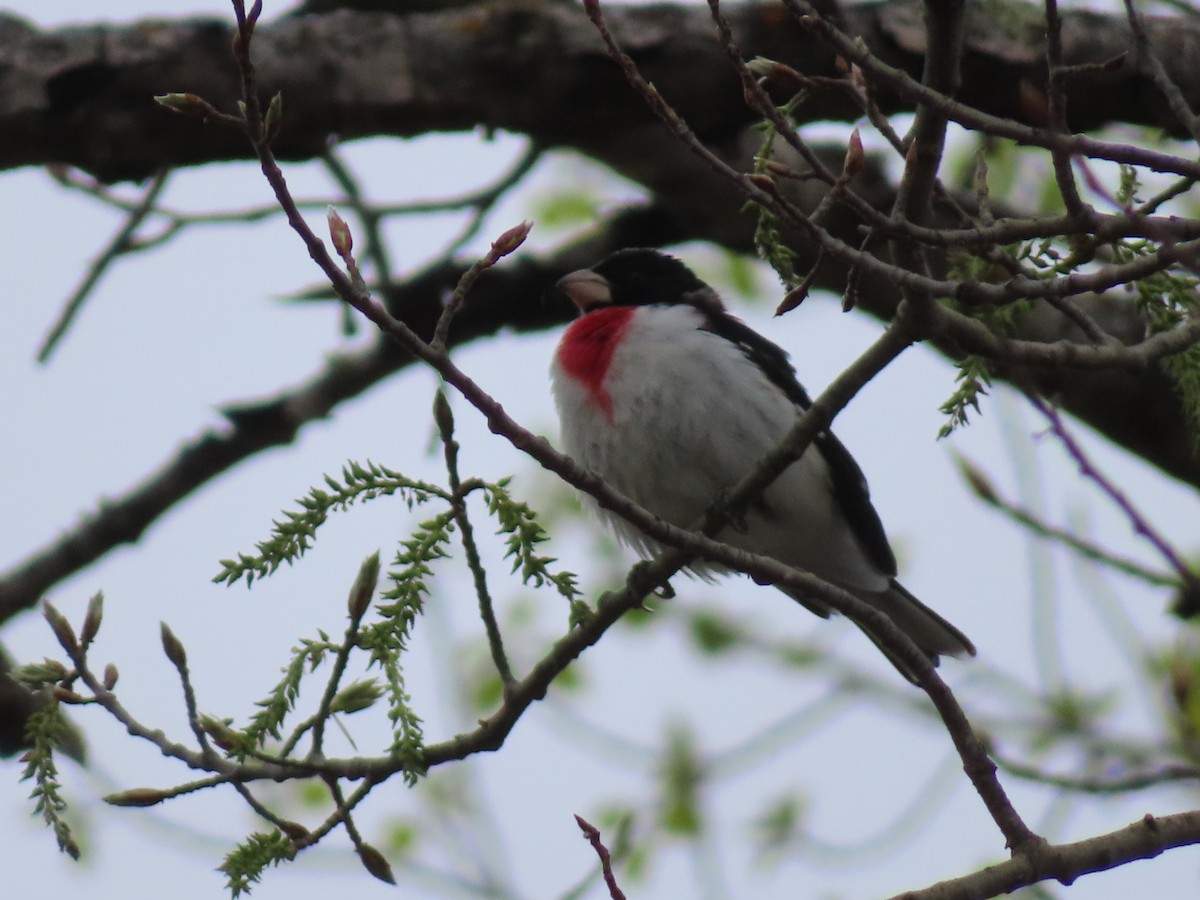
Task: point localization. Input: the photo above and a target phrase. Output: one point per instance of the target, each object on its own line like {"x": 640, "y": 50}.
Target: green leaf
{"x": 1168, "y": 299}
{"x": 680, "y": 813}
{"x": 566, "y": 208}
{"x": 780, "y": 824}
{"x": 400, "y": 838}
{"x": 974, "y": 377}
{"x": 244, "y": 866}
{"x": 524, "y": 533}
{"x": 387, "y": 639}
{"x": 46, "y": 729}
{"x": 715, "y": 633}
{"x": 293, "y": 535}
{"x": 273, "y": 709}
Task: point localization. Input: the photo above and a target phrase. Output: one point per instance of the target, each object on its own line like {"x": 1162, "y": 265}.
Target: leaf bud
{"x": 854, "y": 155}
{"x": 294, "y": 830}
{"x": 38, "y": 675}
{"x": 761, "y": 181}
{"x": 92, "y": 619}
{"x": 173, "y": 647}
{"x": 376, "y": 863}
{"x": 356, "y": 697}
{"x": 137, "y": 797}
{"x": 443, "y": 416}
{"x": 66, "y": 695}
{"x": 978, "y": 482}
{"x": 61, "y": 628}
{"x": 339, "y": 233}
{"x": 274, "y": 117}
{"x": 219, "y": 730}
{"x": 511, "y": 239}
{"x": 776, "y": 72}
{"x": 792, "y": 299}
{"x": 364, "y": 586}
{"x": 190, "y": 105}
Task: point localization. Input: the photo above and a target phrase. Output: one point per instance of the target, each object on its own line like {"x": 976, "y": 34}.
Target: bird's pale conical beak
{"x": 586, "y": 289}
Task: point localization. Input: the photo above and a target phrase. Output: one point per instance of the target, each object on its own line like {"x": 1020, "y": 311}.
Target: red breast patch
{"x": 587, "y": 348}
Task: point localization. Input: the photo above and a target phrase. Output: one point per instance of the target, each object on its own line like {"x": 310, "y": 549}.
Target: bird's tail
{"x": 929, "y": 631}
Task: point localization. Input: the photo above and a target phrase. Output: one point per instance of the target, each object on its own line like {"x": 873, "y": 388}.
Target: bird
{"x": 671, "y": 400}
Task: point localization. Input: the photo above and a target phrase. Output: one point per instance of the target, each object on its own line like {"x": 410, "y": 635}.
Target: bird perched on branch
{"x": 672, "y": 400}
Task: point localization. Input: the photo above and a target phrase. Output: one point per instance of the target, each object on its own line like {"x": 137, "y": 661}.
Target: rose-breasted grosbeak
{"x": 672, "y": 400}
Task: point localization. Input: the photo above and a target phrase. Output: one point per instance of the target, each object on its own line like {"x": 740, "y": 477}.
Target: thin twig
{"x": 374, "y": 861}
{"x": 210, "y": 762}
{"x": 1162, "y": 79}
{"x": 291, "y": 829}
{"x": 1118, "y": 784}
{"x": 1056, "y": 100}
{"x": 343, "y": 809}
{"x": 986, "y": 491}
{"x": 1102, "y": 228}
{"x": 486, "y": 198}
{"x": 368, "y": 215}
{"x": 177, "y": 656}
{"x": 119, "y": 245}
{"x": 340, "y": 659}
{"x": 509, "y": 241}
{"x": 592, "y": 833}
{"x": 944, "y": 28}
{"x": 483, "y": 197}
{"x": 370, "y": 219}
{"x": 1177, "y": 188}
{"x": 1088, "y": 326}
{"x": 445, "y": 422}
{"x": 763, "y": 104}
{"x": 1141, "y": 525}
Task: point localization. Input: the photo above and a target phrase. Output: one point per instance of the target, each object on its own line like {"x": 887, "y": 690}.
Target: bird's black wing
{"x": 849, "y": 483}
{"x": 854, "y": 499}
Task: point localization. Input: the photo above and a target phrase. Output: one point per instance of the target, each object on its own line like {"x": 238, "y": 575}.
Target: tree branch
{"x": 1064, "y": 863}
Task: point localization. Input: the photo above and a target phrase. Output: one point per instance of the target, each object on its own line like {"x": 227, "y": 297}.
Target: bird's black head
{"x": 637, "y": 277}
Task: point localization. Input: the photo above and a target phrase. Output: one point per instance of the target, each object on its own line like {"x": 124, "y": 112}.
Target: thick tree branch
{"x": 1064, "y": 863}
{"x": 81, "y": 95}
